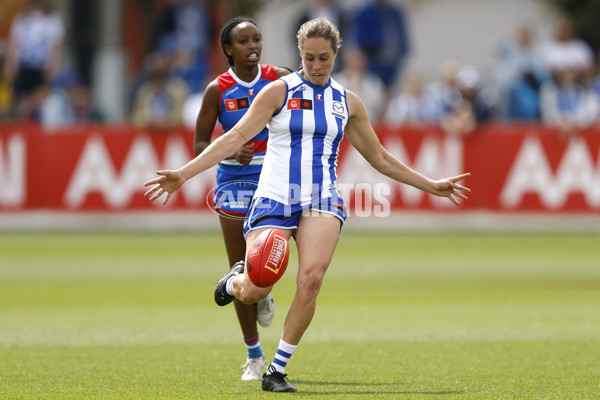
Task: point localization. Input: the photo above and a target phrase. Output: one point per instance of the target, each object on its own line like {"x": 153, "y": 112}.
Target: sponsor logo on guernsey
{"x": 338, "y": 110}
{"x": 299, "y": 104}
{"x": 251, "y": 92}
{"x": 277, "y": 252}
{"x": 319, "y": 96}
{"x": 230, "y": 92}
{"x": 237, "y": 104}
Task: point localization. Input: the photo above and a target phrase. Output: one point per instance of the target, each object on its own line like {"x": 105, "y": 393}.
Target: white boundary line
{"x": 153, "y": 221}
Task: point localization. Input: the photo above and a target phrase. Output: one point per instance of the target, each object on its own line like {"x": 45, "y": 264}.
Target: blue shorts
{"x": 234, "y": 191}
{"x": 268, "y": 213}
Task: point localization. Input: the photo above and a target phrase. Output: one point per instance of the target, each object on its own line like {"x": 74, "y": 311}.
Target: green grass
{"x": 419, "y": 316}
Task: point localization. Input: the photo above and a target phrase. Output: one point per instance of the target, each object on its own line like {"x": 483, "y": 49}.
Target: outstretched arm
{"x": 267, "y": 102}
{"x": 361, "y": 135}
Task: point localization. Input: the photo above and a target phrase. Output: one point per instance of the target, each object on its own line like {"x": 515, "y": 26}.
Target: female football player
{"x": 308, "y": 114}
{"x": 228, "y": 98}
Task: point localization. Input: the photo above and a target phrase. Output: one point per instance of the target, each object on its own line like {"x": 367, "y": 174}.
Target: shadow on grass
{"x": 303, "y": 382}
{"x": 388, "y": 392}
{"x": 362, "y": 384}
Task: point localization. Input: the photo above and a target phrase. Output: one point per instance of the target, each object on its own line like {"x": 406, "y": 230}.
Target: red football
{"x": 268, "y": 257}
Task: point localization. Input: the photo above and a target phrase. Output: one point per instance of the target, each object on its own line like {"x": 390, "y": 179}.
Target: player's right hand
{"x": 168, "y": 182}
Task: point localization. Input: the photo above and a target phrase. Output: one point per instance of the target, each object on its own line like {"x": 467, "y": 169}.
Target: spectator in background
{"x": 568, "y": 101}
{"x": 86, "y": 111}
{"x": 444, "y": 91}
{"x": 381, "y": 32}
{"x": 519, "y": 74}
{"x": 329, "y": 9}
{"x": 472, "y": 106}
{"x": 413, "y": 105}
{"x": 593, "y": 82}
{"x": 184, "y": 35}
{"x": 34, "y": 49}
{"x": 356, "y": 77}
{"x": 80, "y": 97}
{"x": 49, "y": 105}
{"x": 159, "y": 100}
{"x": 6, "y": 91}
{"x": 567, "y": 51}
{"x": 568, "y": 105}
{"x": 190, "y": 110}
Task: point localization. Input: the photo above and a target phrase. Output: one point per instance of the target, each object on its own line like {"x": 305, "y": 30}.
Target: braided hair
{"x": 226, "y": 34}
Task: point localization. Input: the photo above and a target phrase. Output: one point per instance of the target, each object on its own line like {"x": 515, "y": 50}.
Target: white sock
{"x": 283, "y": 355}
{"x": 229, "y": 285}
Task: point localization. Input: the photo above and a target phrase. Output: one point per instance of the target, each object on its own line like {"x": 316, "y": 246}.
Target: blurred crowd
{"x": 33, "y": 87}
{"x": 555, "y": 81}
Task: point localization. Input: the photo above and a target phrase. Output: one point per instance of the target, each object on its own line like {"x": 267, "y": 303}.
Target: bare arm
{"x": 361, "y": 135}
{"x": 267, "y": 102}
{"x": 205, "y": 124}
{"x": 282, "y": 71}
{"x": 207, "y": 117}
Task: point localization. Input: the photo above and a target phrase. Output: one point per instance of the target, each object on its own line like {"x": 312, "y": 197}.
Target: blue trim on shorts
{"x": 268, "y": 213}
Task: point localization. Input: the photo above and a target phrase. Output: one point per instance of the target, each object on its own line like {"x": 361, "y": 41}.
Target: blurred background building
{"x": 113, "y": 46}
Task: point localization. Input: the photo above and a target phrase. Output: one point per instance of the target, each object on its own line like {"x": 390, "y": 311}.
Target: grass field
{"x": 419, "y": 316}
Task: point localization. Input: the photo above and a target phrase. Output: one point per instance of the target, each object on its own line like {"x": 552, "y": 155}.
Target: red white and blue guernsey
{"x": 236, "y": 182}
{"x": 301, "y": 158}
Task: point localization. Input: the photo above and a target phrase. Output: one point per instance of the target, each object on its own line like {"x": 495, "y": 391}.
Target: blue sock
{"x": 284, "y": 352}
{"x": 253, "y": 347}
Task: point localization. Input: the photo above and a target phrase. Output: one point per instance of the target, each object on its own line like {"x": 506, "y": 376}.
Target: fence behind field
{"x": 92, "y": 176}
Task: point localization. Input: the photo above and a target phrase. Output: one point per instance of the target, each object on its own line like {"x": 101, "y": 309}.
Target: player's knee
{"x": 310, "y": 283}
{"x": 250, "y": 295}
{"x": 247, "y": 297}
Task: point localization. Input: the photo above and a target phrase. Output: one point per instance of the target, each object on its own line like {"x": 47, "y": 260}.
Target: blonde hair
{"x": 319, "y": 28}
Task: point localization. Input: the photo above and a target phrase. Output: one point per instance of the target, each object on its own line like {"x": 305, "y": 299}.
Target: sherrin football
{"x": 268, "y": 257}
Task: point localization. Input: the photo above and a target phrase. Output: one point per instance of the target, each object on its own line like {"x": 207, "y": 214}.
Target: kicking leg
{"x": 246, "y": 314}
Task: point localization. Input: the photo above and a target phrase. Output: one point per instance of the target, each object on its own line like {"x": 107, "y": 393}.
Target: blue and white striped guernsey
{"x": 304, "y": 140}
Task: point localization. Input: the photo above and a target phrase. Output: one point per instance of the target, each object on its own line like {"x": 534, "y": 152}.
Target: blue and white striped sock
{"x": 284, "y": 352}
{"x": 253, "y": 346}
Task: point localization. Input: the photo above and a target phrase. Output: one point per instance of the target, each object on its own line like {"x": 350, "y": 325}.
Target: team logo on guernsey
{"x": 299, "y": 104}
{"x": 338, "y": 110}
{"x": 237, "y": 104}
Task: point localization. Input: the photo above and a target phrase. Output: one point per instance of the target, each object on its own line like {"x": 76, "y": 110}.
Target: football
{"x": 268, "y": 257}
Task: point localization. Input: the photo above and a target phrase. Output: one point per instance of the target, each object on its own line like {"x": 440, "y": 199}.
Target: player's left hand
{"x": 244, "y": 154}
{"x": 168, "y": 182}
{"x": 448, "y": 187}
